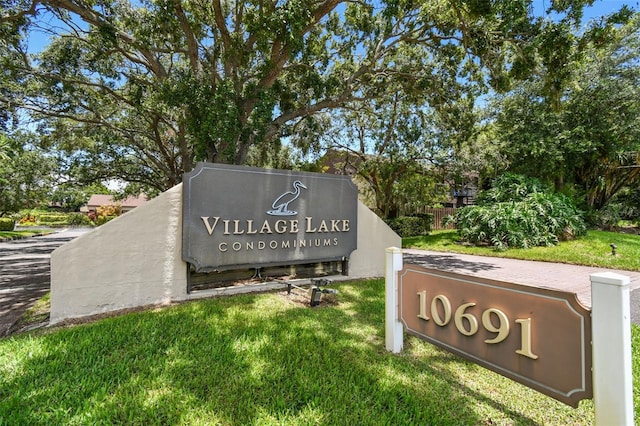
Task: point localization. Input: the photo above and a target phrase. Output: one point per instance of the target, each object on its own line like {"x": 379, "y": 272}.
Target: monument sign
{"x": 244, "y": 217}
{"x": 538, "y": 337}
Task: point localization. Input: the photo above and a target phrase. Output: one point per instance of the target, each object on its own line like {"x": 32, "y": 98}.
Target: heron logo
{"x": 281, "y": 204}
{"x": 281, "y": 217}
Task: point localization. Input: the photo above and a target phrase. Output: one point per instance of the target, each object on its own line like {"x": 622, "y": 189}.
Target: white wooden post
{"x": 393, "y": 328}
{"x": 611, "y": 329}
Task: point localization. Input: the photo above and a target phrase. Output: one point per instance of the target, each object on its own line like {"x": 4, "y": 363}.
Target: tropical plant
{"x": 625, "y": 206}
{"x": 510, "y": 187}
{"x": 516, "y": 212}
{"x": 629, "y": 201}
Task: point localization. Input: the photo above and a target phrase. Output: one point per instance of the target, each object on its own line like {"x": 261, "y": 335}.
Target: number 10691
{"x": 493, "y": 320}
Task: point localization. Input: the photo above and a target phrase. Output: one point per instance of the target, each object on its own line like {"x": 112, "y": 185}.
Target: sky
{"x": 598, "y": 9}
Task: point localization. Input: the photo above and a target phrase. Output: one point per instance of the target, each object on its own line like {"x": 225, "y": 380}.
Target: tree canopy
{"x": 591, "y": 139}
{"x": 26, "y": 174}
{"x": 142, "y": 90}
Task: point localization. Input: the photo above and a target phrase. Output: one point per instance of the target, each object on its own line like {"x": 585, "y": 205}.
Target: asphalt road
{"x": 25, "y": 273}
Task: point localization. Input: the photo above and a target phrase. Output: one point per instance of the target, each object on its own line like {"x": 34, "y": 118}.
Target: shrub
{"x": 410, "y": 226}
{"x": 41, "y": 217}
{"x": 510, "y": 187}
{"x": 105, "y": 213}
{"x": 110, "y": 210}
{"x": 78, "y": 219}
{"x": 53, "y": 219}
{"x": 537, "y": 219}
{"x": 104, "y": 219}
{"x": 609, "y": 217}
{"x": 27, "y": 219}
{"x": 7, "y": 224}
{"x": 625, "y": 206}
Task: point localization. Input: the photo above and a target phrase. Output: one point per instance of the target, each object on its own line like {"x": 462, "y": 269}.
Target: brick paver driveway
{"x": 25, "y": 273}
{"x": 571, "y": 278}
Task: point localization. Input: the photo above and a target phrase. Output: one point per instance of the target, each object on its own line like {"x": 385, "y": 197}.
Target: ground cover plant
{"x": 257, "y": 359}
{"x": 593, "y": 249}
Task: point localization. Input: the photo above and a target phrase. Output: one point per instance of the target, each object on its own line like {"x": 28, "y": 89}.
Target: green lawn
{"x": 592, "y": 250}
{"x": 259, "y": 359}
{"x": 269, "y": 359}
{"x": 13, "y": 235}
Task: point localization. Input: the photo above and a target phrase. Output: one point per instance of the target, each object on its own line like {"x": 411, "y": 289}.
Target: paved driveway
{"x": 572, "y": 278}
{"x": 25, "y": 269}
{"x": 24, "y": 273}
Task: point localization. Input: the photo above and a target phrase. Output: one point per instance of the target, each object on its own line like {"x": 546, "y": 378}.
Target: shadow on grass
{"x": 440, "y": 238}
{"x": 245, "y": 360}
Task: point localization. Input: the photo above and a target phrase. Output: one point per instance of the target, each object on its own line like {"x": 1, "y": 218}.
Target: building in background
{"x": 102, "y": 200}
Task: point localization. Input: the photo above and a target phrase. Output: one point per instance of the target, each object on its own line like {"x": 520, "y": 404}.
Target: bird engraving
{"x": 281, "y": 204}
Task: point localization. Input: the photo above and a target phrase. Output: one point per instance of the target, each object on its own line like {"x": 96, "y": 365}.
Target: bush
{"x": 608, "y": 218}
{"x": 27, "y": 218}
{"x": 411, "y": 226}
{"x": 41, "y": 217}
{"x": 109, "y": 210}
{"x": 536, "y": 219}
{"x": 104, "y": 219}
{"x": 7, "y": 224}
{"x": 78, "y": 219}
{"x": 53, "y": 219}
{"x": 106, "y": 213}
{"x": 510, "y": 187}
{"x": 625, "y": 206}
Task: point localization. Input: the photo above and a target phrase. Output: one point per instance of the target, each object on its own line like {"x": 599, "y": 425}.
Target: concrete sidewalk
{"x": 571, "y": 278}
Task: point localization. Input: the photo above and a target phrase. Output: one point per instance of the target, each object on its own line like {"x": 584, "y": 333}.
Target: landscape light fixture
{"x": 613, "y": 249}
{"x": 317, "y": 292}
{"x": 316, "y": 295}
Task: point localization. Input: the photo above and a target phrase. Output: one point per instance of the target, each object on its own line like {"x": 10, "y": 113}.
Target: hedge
{"x": 7, "y": 224}
{"x": 411, "y": 226}
{"x": 53, "y": 219}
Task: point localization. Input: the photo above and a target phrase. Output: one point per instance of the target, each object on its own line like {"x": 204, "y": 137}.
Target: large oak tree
{"x": 141, "y": 90}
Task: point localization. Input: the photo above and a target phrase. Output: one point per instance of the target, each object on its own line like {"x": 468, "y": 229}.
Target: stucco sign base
{"x": 136, "y": 260}
{"x": 133, "y": 260}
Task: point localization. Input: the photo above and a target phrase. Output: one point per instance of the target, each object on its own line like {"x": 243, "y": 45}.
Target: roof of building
{"x": 97, "y": 200}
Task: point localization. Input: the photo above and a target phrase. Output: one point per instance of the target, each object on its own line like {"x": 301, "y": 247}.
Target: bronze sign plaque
{"x": 538, "y": 337}
{"x": 243, "y": 217}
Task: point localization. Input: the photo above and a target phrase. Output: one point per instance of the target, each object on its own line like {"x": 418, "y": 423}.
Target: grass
{"x": 268, "y": 359}
{"x": 14, "y": 235}
{"x": 262, "y": 360}
{"x": 592, "y": 250}
{"x": 35, "y": 316}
